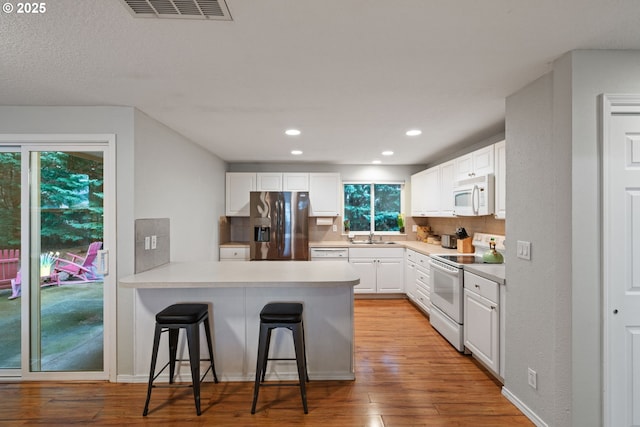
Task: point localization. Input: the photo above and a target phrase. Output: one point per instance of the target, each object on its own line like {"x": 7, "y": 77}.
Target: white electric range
{"x": 447, "y": 287}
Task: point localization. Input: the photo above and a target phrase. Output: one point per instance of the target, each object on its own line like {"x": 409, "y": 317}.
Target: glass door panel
{"x": 66, "y": 292}
{"x": 10, "y": 305}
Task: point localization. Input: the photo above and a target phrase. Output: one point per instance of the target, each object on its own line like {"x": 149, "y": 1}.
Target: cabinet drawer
{"x": 411, "y": 255}
{"x": 423, "y": 261}
{"x": 234, "y": 254}
{"x": 481, "y": 286}
{"x": 422, "y": 279}
{"x": 423, "y": 300}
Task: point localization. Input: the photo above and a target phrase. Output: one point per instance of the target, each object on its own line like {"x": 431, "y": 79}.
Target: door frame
{"x": 610, "y": 104}
{"x": 59, "y": 142}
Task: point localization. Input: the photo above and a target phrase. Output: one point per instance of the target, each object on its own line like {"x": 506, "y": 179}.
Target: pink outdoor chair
{"x": 78, "y": 268}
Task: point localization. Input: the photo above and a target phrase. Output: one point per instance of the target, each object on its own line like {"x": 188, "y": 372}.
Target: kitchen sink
{"x": 366, "y": 242}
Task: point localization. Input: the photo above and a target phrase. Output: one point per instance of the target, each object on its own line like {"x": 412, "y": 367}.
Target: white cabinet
{"x": 268, "y": 181}
{"x": 479, "y": 162}
{"x": 277, "y": 181}
{"x": 410, "y": 274}
{"x": 447, "y": 183}
{"x": 238, "y": 187}
{"x": 295, "y": 181}
{"x": 423, "y": 283}
{"x": 381, "y": 270}
{"x": 324, "y": 194}
{"x": 240, "y": 253}
{"x": 425, "y": 192}
{"x": 482, "y": 320}
{"x": 432, "y": 191}
{"x": 501, "y": 180}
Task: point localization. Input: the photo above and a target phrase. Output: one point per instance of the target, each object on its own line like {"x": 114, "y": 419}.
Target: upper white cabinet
{"x": 501, "y": 180}
{"x": 268, "y": 181}
{"x": 324, "y": 194}
{"x": 431, "y": 191}
{"x": 479, "y": 162}
{"x": 295, "y": 181}
{"x": 238, "y": 187}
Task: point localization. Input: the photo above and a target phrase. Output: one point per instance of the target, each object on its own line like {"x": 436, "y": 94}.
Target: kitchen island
{"x": 236, "y": 292}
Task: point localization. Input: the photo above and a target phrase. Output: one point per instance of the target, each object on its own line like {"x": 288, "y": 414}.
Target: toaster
{"x": 448, "y": 241}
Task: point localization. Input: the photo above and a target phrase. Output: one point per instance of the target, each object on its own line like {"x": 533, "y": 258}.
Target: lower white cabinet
{"x": 417, "y": 284}
{"x": 381, "y": 270}
{"x": 482, "y": 320}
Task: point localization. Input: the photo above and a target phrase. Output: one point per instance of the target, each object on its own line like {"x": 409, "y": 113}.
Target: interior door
{"x": 621, "y": 269}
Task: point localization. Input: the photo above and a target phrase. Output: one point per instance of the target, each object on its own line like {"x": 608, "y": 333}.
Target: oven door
{"x": 446, "y": 289}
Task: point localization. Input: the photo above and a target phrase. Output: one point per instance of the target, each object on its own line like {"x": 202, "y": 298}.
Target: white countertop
{"x": 245, "y": 274}
{"x": 493, "y": 272}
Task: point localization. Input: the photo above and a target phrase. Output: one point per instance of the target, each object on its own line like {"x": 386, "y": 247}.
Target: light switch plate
{"x": 523, "y": 249}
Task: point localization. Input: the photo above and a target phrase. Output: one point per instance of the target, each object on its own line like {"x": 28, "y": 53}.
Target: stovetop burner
{"x": 461, "y": 259}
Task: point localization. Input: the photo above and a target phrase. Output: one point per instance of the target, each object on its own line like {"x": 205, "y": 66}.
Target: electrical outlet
{"x": 523, "y": 249}
{"x": 532, "y": 377}
{"x": 154, "y": 241}
{"x": 147, "y": 243}
{"x": 414, "y": 228}
{"x": 335, "y": 228}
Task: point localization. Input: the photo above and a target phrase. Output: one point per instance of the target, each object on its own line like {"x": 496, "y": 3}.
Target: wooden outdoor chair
{"x": 9, "y": 267}
{"x": 79, "y": 269}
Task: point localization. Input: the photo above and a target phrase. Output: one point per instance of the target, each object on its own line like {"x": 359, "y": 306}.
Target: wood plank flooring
{"x": 406, "y": 375}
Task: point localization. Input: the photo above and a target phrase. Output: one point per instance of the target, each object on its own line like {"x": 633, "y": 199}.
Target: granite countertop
{"x": 226, "y": 274}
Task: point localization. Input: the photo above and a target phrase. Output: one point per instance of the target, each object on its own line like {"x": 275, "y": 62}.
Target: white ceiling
{"x": 352, "y": 75}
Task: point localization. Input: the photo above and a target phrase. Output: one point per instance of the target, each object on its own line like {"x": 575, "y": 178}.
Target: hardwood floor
{"x": 406, "y": 375}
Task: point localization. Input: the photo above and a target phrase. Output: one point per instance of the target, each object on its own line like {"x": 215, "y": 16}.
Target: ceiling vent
{"x": 180, "y": 9}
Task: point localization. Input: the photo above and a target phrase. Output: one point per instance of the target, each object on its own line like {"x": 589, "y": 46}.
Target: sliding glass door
{"x": 59, "y": 317}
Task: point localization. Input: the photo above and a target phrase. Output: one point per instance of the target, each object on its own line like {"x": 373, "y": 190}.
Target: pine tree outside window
{"x": 373, "y": 207}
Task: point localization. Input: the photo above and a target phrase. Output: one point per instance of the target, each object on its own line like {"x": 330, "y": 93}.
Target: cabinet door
{"x": 432, "y": 191}
{"x": 418, "y": 194}
{"x": 269, "y": 181}
{"x": 238, "y": 187}
{"x": 447, "y": 182}
{"x": 481, "y": 329}
{"x": 501, "y": 180}
{"x": 464, "y": 167}
{"x": 483, "y": 161}
{"x": 410, "y": 279}
{"x": 366, "y": 269}
{"x": 390, "y": 274}
{"x": 295, "y": 182}
{"x": 324, "y": 194}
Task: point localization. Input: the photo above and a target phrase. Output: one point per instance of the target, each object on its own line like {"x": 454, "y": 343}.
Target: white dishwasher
{"x": 329, "y": 254}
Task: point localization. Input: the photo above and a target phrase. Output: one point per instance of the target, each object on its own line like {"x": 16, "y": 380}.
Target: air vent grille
{"x": 185, "y": 9}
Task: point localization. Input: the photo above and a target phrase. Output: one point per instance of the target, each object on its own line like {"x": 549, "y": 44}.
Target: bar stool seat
{"x": 281, "y": 315}
{"x": 172, "y": 319}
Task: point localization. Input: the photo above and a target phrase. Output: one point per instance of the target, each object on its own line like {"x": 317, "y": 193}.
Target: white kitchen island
{"x": 236, "y": 291}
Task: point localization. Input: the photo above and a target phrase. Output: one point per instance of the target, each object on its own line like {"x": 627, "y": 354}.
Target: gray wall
{"x": 554, "y": 302}
{"x": 159, "y": 174}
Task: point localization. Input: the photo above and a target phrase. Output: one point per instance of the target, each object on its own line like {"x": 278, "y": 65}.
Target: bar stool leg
{"x": 207, "y": 331}
{"x": 266, "y": 355}
{"x": 193, "y": 338}
{"x": 260, "y": 363}
{"x": 304, "y": 352}
{"x": 173, "y": 350}
{"x": 152, "y": 370}
{"x": 301, "y": 362}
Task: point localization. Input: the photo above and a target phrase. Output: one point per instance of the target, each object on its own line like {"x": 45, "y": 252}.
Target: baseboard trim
{"x": 523, "y": 408}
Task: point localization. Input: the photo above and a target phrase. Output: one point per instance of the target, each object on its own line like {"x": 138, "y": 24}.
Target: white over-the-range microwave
{"x": 474, "y": 196}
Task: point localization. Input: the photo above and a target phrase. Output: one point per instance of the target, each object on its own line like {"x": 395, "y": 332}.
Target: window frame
{"x": 372, "y": 207}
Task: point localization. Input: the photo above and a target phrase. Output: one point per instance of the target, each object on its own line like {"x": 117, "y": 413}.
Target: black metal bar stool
{"x": 281, "y": 315}
{"x": 172, "y": 319}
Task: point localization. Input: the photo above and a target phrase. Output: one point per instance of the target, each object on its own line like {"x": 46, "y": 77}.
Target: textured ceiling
{"x": 352, "y": 75}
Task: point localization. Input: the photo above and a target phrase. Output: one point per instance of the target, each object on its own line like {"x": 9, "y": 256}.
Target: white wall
{"x": 554, "y": 302}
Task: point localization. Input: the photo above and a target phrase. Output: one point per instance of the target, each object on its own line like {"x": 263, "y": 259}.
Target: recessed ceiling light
{"x": 387, "y": 153}
{"x": 376, "y": 162}
{"x": 296, "y": 152}
{"x": 414, "y": 132}
{"x": 292, "y": 132}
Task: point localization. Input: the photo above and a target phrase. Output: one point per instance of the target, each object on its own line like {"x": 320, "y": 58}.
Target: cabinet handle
{"x": 477, "y": 286}
{"x": 493, "y": 307}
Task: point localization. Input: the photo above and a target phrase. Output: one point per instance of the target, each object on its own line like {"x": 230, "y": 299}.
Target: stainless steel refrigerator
{"x": 279, "y": 225}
